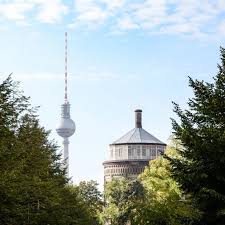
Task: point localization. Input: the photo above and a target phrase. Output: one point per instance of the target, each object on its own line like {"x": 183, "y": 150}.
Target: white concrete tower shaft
{"x": 67, "y": 127}
{"x": 66, "y": 153}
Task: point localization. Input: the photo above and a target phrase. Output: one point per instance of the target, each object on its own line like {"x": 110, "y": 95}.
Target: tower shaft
{"x": 66, "y": 153}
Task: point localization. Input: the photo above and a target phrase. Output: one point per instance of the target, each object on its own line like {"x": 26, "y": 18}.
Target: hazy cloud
{"x": 187, "y": 17}
{"x": 45, "y": 11}
{"x": 86, "y": 75}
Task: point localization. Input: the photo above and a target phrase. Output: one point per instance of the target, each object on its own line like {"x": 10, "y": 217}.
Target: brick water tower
{"x": 130, "y": 154}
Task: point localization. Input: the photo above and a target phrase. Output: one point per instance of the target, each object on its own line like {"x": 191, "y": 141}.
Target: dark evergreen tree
{"x": 33, "y": 187}
{"x": 200, "y": 170}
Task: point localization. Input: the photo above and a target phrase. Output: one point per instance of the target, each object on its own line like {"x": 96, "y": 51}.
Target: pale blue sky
{"x": 122, "y": 54}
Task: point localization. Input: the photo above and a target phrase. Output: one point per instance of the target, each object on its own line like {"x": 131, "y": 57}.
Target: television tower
{"x": 66, "y": 127}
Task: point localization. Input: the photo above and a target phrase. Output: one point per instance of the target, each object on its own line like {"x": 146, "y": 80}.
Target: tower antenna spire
{"x": 66, "y": 97}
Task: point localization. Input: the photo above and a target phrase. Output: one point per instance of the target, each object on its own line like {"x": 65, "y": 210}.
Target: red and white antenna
{"x": 66, "y": 99}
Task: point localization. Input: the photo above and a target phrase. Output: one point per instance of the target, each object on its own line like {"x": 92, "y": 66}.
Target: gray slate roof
{"x": 138, "y": 135}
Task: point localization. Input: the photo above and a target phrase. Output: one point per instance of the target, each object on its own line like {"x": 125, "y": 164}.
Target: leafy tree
{"x": 164, "y": 202}
{"x": 71, "y": 210}
{"x": 154, "y": 198}
{"x": 201, "y": 130}
{"x": 33, "y": 187}
{"x": 122, "y": 197}
{"x": 90, "y": 194}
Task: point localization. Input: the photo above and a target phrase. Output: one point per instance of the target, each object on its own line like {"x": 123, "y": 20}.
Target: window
{"x": 120, "y": 151}
{"x": 153, "y": 151}
{"x": 116, "y": 153}
{"x": 138, "y": 152}
{"x": 129, "y": 152}
{"x": 111, "y": 153}
{"x": 160, "y": 150}
{"x": 148, "y": 151}
{"x": 134, "y": 151}
{"x": 143, "y": 150}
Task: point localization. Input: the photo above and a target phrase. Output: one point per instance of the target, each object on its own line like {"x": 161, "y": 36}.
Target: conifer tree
{"x": 33, "y": 187}
{"x": 201, "y": 129}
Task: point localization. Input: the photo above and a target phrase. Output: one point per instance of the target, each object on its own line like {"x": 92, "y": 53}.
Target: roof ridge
{"x": 151, "y": 135}
{"x": 138, "y": 135}
{"x": 124, "y": 135}
{"x": 133, "y": 133}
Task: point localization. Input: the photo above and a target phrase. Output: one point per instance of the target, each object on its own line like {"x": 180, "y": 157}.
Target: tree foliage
{"x": 122, "y": 197}
{"x": 90, "y": 194}
{"x": 165, "y": 202}
{"x": 154, "y": 198}
{"x": 201, "y": 130}
{"x": 33, "y": 187}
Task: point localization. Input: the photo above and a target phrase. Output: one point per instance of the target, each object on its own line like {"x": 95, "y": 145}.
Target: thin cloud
{"x": 44, "y": 11}
{"x": 37, "y": 76}
{"x": 126, "y": 23}
{"x": 86, "y": 75}
{"x": 186, "y": 17}
{"x": 15, "y": 10}
{"x": 51, "y": 11}
{"x": 178, "y": 17}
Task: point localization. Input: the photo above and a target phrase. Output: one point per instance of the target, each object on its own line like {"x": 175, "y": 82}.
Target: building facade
{"x": 130, "y": 154}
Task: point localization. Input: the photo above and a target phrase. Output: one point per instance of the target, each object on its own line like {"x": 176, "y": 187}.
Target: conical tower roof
{"x": 138, "y": 135}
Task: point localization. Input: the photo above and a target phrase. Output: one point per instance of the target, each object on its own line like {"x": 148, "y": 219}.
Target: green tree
{"x": 70, "y": 210}
{"x": 201, "y": 130}
{"x": 90, "y": 194}
{"x": 164, "y": 202}
{"x": 33, "y": 187}
{"x": 122, "y": 197}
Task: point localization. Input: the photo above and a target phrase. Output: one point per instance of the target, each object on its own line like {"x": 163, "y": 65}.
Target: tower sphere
{"x": 66, "y": 127}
